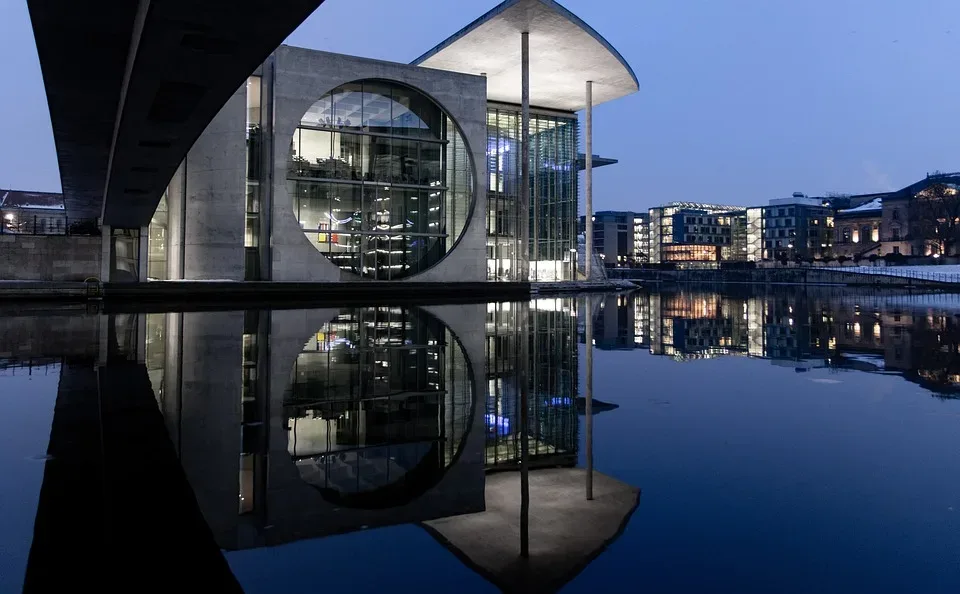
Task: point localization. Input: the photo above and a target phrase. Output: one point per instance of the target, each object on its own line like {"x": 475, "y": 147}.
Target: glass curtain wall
{"x": 551, "y": 221}
{"x": 157, "y": 242}
{"x": 251, "y": 235}
{"x": 381, "y": 179}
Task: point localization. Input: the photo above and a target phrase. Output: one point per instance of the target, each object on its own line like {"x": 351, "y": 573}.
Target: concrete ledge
{"x": 581, "y": 287}
{"x": 310, "y": 293}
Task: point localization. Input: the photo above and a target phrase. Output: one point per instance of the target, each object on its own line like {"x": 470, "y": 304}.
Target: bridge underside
{"x": 132, "y": 85}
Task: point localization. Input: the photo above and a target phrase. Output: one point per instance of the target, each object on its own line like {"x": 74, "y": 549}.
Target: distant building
{"x": 797, "y": 227}
{"x": 615, "y": 236}
{"x": 857, "y": 229}
{"x": 39, "y": 213}
{"x": 705, "y": 234}
{"x": 923, "y": 218}
{"x": 641, "y": 237}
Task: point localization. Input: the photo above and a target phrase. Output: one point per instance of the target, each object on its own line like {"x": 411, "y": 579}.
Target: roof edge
{"x": 502, "y": 7}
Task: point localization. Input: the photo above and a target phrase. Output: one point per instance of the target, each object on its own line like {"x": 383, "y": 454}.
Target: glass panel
{"x": 320, "y": 113}
{"x": 314, "y": 155}
{"x": 431, "y": 170}
{"x": 376, "y": 108}
{"x": 407, "y": 157}
{"x": 347, "y": 106}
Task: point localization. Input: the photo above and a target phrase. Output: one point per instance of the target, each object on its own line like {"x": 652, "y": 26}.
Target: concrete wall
{"x": 206, "y": 222}
{"x": 302, "y": 77}
{"x": 49, "y": 257}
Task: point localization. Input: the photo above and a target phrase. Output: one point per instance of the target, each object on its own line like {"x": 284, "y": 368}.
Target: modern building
{"x": 797, "y": 227}
{"x": 615, "y": 236}
{"x": 326, "y": 167}
{"x": 697, "y": 234}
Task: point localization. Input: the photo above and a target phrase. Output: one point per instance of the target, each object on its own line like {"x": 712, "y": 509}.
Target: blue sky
{"x": 740, "y": 101}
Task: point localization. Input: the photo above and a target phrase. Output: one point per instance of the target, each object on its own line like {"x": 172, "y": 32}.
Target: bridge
{"x": 132, "y": 85}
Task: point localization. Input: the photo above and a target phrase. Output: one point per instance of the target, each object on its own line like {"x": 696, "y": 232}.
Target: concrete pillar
{"x": 588, "y": 182}
{"x": 525, "y": 149}
{"x": 588, "y": 409}
{"x": 215, "y": 199}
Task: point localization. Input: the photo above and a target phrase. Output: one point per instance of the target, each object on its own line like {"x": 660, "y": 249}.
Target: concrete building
{"x": 325, "y": 167}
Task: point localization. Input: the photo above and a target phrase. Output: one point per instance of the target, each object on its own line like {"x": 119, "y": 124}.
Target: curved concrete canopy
{"x": 565, "y": 52}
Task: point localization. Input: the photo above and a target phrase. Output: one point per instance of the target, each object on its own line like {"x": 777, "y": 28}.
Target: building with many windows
{"x": 326, "y": 167}
{"x": 689, "y": 232}
{"x": 797, "y": 227}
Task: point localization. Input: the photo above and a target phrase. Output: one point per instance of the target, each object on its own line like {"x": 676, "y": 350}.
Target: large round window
{"x": 381, "y": 179}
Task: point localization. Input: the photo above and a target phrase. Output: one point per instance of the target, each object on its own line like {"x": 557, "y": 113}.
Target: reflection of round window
{"x": 381, "y": 178}
{"x": 380, "y": 404}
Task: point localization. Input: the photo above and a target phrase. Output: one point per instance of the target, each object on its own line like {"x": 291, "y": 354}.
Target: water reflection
{"x": 916, "y": 336}
{"x": 380, "y": 405}
{"x": 366, "y": 417}
{"x": 236, "y": 430}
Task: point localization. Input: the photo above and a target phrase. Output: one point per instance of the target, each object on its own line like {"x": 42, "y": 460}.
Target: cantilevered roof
{"x": 565, "y": 52}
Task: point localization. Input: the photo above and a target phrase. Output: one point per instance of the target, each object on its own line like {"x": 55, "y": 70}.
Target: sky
{"x": 740, "y": 101}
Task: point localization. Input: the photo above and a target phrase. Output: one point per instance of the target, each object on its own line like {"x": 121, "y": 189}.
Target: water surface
{"x": 753, "y": 441}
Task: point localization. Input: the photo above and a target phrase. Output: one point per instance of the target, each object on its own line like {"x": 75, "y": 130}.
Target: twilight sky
{"x": 740, "y": 100}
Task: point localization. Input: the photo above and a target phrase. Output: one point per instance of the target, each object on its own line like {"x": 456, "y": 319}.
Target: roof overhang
{"x": 565, "y": 53}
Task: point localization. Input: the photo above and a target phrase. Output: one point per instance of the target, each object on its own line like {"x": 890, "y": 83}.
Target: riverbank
{"x": 800, "y": 276}
{"x": 215, "y": 292}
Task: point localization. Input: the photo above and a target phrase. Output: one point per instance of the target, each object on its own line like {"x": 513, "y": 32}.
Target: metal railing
{"x": 18, "y": 222}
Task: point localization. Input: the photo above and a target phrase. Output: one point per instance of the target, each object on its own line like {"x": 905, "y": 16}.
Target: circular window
{"x": 381, "y": 179}
{"x": 379, "y": 407}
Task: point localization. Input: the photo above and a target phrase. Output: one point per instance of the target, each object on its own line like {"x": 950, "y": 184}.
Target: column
{"x": 588, "y": 182}
{"x": 525, "y": 148}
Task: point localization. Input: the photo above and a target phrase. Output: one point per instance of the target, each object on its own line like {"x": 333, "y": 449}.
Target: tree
{"x": 857, "y": 258}
{"x": 873, "y": 258}
{"x": 842, "y": 260}
{"x": 935, "y": 217}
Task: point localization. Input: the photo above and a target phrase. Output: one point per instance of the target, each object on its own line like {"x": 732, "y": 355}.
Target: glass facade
{"x": 531, "y": 239}
{"x": 697, "y": 225}
{"x": 157, "y": 242}
{"x": 381, "y": 179}
{"x": 251, "y": 234}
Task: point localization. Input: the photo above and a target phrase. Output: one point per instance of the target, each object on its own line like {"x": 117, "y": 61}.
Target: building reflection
{"x": 917, "y": 336}
{"x": 550, "y": 326}
{"x": 309, "y": 423}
